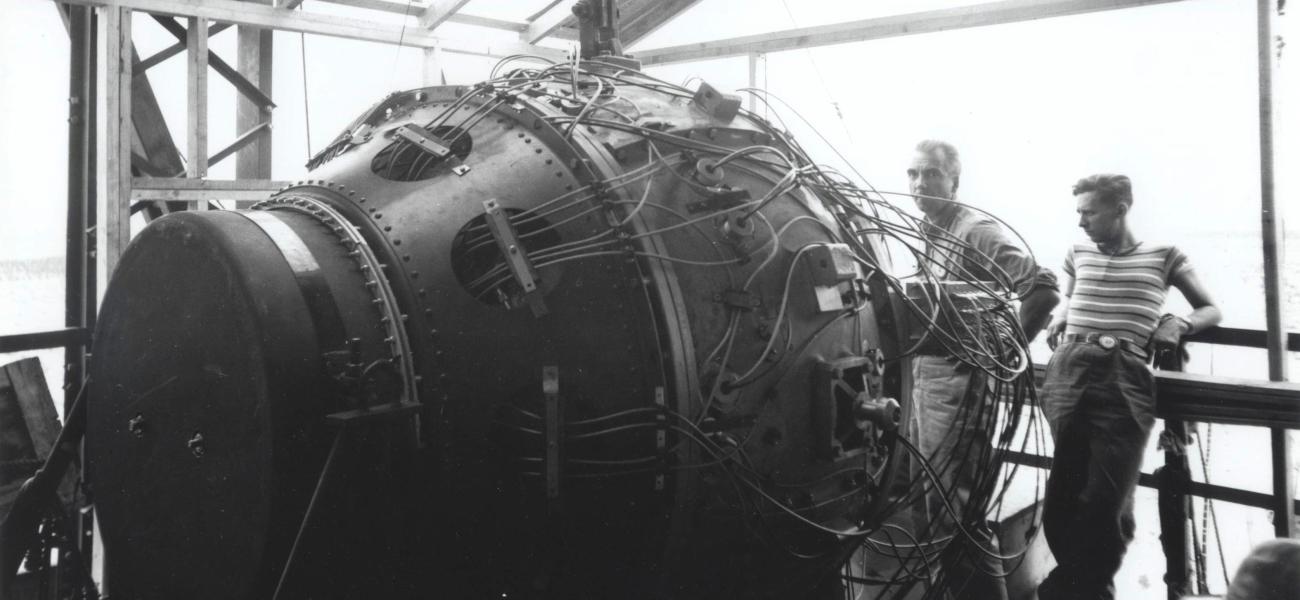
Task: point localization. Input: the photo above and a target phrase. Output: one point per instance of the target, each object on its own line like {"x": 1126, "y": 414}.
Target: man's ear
{"x": 956, "y": 182}
{"x": 1122, "y": 208}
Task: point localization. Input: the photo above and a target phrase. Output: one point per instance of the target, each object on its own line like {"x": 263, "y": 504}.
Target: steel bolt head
{"x": 195, "y": 444}
{"x": 136, "y": 425}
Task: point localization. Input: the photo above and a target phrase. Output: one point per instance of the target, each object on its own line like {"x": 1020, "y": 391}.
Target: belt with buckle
{"x": 1108, "y": 341}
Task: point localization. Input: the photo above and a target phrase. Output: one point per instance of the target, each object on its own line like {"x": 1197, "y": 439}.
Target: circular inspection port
{"x": 405, "y": 160}
{"x": 481, "y": 267}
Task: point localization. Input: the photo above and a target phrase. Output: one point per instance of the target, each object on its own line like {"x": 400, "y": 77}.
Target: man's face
{"x": 928, "y": 177}
{"x": 1103, "y": 221}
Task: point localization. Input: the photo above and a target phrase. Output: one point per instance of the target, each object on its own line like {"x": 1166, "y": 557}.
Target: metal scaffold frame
{"x": 142, "y": 170}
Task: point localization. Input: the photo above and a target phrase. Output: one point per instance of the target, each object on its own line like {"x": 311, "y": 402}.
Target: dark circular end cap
{"x": 200, "y": 342}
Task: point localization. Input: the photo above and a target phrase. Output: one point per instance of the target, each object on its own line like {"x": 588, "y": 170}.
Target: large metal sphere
{"x": 645, "y": 365}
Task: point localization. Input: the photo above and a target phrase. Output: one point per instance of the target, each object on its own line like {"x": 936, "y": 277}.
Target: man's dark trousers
{"x": 1100, "y": 406}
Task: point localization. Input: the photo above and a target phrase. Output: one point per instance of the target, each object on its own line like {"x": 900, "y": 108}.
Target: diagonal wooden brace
{"x": 241, "y": 83}
{"x": 158, "y": 57}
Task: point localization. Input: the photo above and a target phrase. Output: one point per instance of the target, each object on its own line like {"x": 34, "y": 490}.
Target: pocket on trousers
{"x": 1137, "y": 386}
{"x": 1063, "y": 382}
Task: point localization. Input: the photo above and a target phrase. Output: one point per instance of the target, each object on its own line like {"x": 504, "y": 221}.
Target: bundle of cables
{"x": 998, "y": 416}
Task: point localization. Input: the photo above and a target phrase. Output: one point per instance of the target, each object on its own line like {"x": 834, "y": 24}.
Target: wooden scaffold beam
{"x": 252, "y": 119}
{"x": 947, "y": 19}
{"x": 283, "y": 19}
{"x": 118, "y": 130}
{"x": 197, "y": 93}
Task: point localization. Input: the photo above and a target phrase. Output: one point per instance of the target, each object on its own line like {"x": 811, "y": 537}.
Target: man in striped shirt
{"x": 1098, "y": 393}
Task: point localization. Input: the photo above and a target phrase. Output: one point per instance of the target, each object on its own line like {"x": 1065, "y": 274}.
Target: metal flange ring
{"x": 376, "y": 282}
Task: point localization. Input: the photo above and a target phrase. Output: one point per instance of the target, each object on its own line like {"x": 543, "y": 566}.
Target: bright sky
{"x": 1166, "y": 94}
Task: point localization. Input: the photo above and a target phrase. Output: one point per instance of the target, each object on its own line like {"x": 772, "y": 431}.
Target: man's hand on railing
{"x": 1169, "y": 334}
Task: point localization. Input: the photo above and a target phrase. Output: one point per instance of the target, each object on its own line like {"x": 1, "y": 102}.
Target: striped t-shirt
{"x": 1121, "y": 294}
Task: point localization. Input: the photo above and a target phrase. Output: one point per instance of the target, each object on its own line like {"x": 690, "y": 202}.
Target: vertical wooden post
{"x": 753, "y": 80}
{"x": 196, "y": 46}
{"x": 1271, "y": 225}
{"x": 118, "y": 133}
{"x": 254, "y": 63}
{"x": 1174, "y": 504}
{"x": 431, "y": 73}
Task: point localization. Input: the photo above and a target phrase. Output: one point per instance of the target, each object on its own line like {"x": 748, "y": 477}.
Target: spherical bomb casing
{"x": 634, "y": 343}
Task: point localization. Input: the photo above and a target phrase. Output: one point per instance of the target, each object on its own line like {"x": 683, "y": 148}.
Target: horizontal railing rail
{"x": 43, "y": 340}
{"x": 1225, "y": 400}
{"x": 1195, "y": 488}
{"x": 1245, "y": 338}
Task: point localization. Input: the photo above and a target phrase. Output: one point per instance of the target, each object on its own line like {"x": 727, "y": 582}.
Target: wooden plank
{"x": 27, "y": 381}
{"x": 141, "y": 166}
{"x": 1214, "y": 399}
{"x": 977, "y": 15}
{"x": 1195, "y": 488}
{"x": 431, "y": 72}
{"x": 250, "y": 137}
{"x": 222, "y": 68}
{"x": 564, "y": 33}
{"x": 488, "y": 22}
{"x": 438, "y": 12}
{"x": 636, "y": 19}
{"x": 242, "y": 13}
{"x": 158, "y": 57}
{"x": 194, "y": 190}
{"x": 40, "y": 340}
{"x": 753, "y": 79}
{"x": 1245, "y": 338}
{"x": 147, "y": 184}
{"x": 197, "y": 94}
{"x": 152, "y": 146}
{"x": 652, "y": 15}
{"x": 17, "y": 456}
{"x": 23, "y": 385}
{"x": 117, "y": 179}
{"x": 256, "y": 51}
{"x": 548, "y": 22}
{"x": 389, "y": 6}
{"x": 152, "y": 139}
{"x": 416, "y": 9}
{"x": 194, "y": 198}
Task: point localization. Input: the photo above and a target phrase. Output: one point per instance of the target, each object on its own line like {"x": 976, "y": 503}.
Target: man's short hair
{"x": 1114, "y": 189}
{"x": 951, "y": 159}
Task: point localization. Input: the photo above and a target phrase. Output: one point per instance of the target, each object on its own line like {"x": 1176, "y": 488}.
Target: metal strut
{"x": 521, "y": 267}
{"x": 367, "y": 415}
{"x": 598, "y": 33}
{"x": 554, "y": 437}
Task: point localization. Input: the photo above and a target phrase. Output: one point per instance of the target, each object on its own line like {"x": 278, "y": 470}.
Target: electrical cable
{"x": 993, "y": 346}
